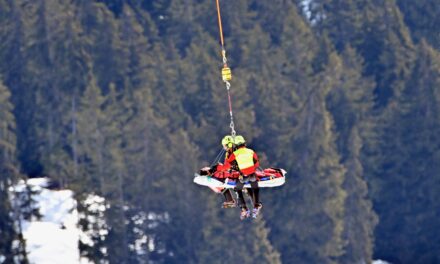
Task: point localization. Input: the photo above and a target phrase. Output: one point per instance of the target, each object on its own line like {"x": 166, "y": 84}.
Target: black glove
{"x": 213, "y": 169}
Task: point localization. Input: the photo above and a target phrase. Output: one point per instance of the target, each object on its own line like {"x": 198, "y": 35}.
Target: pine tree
{"x": 91, "y": 175}
{"x": 25, "y": 42}
{"x": 115, "y": 116}
{"x": 7, "y": 167}
{"x": 9, "y": 172}
{"x": 359, "y": 217}
{"x": 350, "y": 103}
{"x": 90, "y": 140}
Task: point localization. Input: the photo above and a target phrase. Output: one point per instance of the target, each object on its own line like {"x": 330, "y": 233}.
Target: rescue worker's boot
{"x": 256, "y": 210}
{"x": 229, "y": 200}
{"x": 245, "y": 213}
{"x": 229, "y": 204}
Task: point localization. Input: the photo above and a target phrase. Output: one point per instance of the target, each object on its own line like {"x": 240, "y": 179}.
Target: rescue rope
{"x": 226, "y": 71}
{"x": 218, "y": 157}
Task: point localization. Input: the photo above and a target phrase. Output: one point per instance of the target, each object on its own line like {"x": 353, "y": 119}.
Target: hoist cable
{"x": 226, "y": 71}
{"x": 231, "y": 125}
{"x": 220, "y": 25}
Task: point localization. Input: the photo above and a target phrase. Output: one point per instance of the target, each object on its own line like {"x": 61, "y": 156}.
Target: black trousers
{"x": 254, "y": 191}
{"x": 228, "y": 195}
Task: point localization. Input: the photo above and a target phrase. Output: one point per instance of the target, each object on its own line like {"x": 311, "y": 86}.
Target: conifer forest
{"x": 124, "y": 99}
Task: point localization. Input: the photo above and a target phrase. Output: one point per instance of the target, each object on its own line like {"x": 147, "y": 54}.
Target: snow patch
{"x": 380, "y": 262}
{"x": 53, "y": 238}
{"x": 47, "y": 243}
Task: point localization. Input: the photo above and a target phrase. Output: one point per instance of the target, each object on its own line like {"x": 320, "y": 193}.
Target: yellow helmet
{"x": 228, "y": 141}
{"x": 239, "y": 140}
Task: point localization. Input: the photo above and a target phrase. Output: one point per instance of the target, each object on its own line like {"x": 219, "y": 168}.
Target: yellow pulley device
{"x": 226, "y": 74}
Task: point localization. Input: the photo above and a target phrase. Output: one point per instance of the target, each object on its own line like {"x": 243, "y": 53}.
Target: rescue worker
{"x": 228, "y": 145}
{"x": 247, "y": 163}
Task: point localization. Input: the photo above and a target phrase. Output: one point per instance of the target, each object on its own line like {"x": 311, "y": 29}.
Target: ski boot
{"x": 256, "y": 210}
{"x": 229, "y": 204}
{"x": 245, "y": 213}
